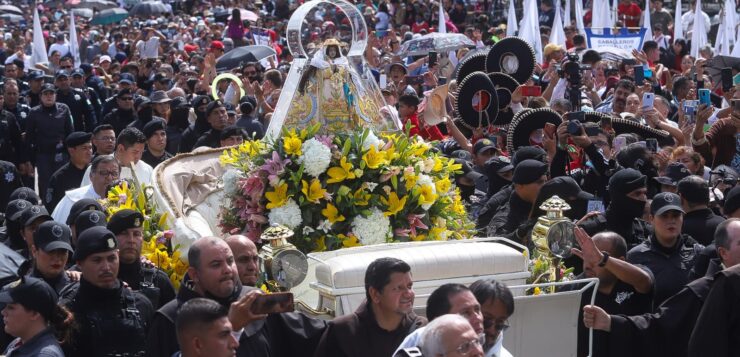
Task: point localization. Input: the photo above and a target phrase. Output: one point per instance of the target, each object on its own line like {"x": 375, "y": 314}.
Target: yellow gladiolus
{"x": 394, "y": 204}
{"x": 277, "y": 198}
{"x": 341, "y": 173}
{"x": 373, "y": 158}
{"x": 313, "y": 192}
{"x": 332, "y": 214}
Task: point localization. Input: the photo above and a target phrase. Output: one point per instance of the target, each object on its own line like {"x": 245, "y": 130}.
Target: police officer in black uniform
{"x": 33, "y": 94}
{"x": 9, "y": 181}
{"x": 124, "y": 113}
{"x": 11, "y": 139}
{"x": 14, "y": 71}
{"x": 51, "y": 250}
{"x": 70, "y": 175}
{"x": 126, "y": 81}
{"x": 78, "y": 82}
{"x": 81, "y": 108}
{"x": 47, "y": 127}
{"x": 13, "y": 104}
{"x": 126, "y": 224}
{"x": 156, "y": 142}
{"x": 94, "y": 82}
{"x": 112, "y": 320}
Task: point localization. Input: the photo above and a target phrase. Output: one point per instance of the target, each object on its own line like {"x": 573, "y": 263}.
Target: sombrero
{"x": 626, "y": 126}
{"x": 527, "y": 121}
{"x": 435, "y": 108}
{"x": 512, "y": 56}
{"x": 477, "y": 101}
{"x": 505, "y": 85}
{"x": 472, "y": 62}
{"x": 595, "y": 117}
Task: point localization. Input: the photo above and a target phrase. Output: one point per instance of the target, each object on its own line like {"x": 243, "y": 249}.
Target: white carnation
{"x": 316, "y": 157}
{"x": 231, "y": 181}
{"x": 288, "y": 215}
{"x": 371, "y": 140}
{"x": 372, "y": 230}
{"x": 425, "y": 180}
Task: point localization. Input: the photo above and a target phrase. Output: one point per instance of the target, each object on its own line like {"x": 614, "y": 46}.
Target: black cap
{"x": 61, "y": 73}
{"x": 732, "y": 201}
{"x": 85, "y": 204}
{"x": 52, "y": 236}
{"x": 199, "y": 100}
{"x": 468, "y": 170}
{"x": 625, "y": 181}
{"x": 14, "y": 208}
{"x": 35, "y": 75}
{"x": 664, "y": 202}
{"x": 125, "y": 219}
{"x": 528, "y": 152}
{"x": 78, "y": 72}
{"x": 569, "y": 189}
{"x": 179, "y": 102}
{"x": 126, "y": 78}
{"x": 25, "y": 193}
{"x": 152, "y": 126}
{"x": 33, "y": 294}
{"x": 694, "y": 189}
{"x": 497, "y": 164}
{"x": 482, "y": 145}
{"x": 94, "y": 240}
{"x": 230, "y": 131}
{"x": 48, "y": 87}
{"x": 124, "y": 92}
{"x": 30, "y": 214}
{"x": 77, "y": 138}
{"x": 528, "y": 171}
{"x": 462, "y": 155}
{"x": 673, "y": 173}
{"x": 213, "y": 106}
{"x": 89, "y": 219}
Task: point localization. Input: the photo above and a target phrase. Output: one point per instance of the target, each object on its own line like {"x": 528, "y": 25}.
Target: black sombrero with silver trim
{"x": 477, "y": 101}
{"x": 596, "y": 117}
{"x": 527, "y": 121}
{"x": 512, "y": 56}
{"x": 626, "y": 126}
{"x": 505, "y": 85}
{"x": 474, "y": 61}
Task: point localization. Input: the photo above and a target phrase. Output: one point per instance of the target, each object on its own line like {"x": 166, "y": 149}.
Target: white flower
{"x": 371, "y": 186}
{"x": 308, "y": 230}
{"x": 316, "y": 157}
{"x": 371, "y": 140}
{"x": 231, "y": 181}
{"x": 372, "y": 230}
{"x": 325, "y": 226}
{"x": 288, "y": 215}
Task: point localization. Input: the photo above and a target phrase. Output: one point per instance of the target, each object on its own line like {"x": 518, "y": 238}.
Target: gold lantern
{"x": 282, "y": 263}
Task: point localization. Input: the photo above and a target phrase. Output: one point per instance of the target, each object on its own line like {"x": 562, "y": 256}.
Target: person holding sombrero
{"x": 408, "y": 105}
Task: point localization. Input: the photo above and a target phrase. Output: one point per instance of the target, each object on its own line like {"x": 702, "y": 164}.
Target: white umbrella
{"x": 440, "y": 42}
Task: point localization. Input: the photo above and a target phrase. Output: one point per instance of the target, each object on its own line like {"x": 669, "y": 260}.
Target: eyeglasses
{"x": 467, "y": 347}
{"x": 108, "y": 173}
{"x": 126, "y": 98}
{"x": 499, "y": 325}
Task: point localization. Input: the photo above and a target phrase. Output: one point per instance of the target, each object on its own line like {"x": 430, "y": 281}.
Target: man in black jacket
{"x": 124, "y": 113}
{"x": 699, "y": 222}
{"x": 529, "y": 176}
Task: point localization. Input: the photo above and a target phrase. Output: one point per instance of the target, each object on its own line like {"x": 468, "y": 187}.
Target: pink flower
{"x": 415, "y": 222}
{"x": 169, "y": 234}
{"x": 326, "y": 140}
{"x": 401, "y": 232}
{"x": 254, "y": 187}
{"x": 274, "y": 168}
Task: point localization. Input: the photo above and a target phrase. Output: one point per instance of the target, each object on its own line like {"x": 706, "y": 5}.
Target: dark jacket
{"x": 47, "y": 127}
{"x": 670, "y": 266}
{"x": 12, "y": 147}
{"x": 150, "y": 281}
{"x": 42, "y": 345}
{"x": 358, "y": 335}
{"x": 119, "y": 119}
{"x": 633, "y": 230}
{"x": 68, "y": 177}
{"x": 701, "y": 224}
{"x": 492, "y": 204}
{"x": 211, "y": 139}
{"x": 82, "y": 109}
{"x": 251, "y": 126}
{"x": 510, "y": 216}
{"x": 718, "y": 327}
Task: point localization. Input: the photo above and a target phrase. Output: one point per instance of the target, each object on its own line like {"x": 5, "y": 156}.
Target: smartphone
{"x": 736, "y": 105}
{"x": 550, "y": 130}
{"x": 592, "y": 130}
{"x": 648, "y": 73}
{"x": 414, "y": 80}
{"x": 639, "y": 75}
{"x": 736, "y": 80}
{"x": 275, "y": 303}
{"x": 432, "y": 58}
{"x": 648, "y": 100}
{"x": 619, "y": 143}
{"x": 531, "y": 91}
{"x": 704, "y": 97}
{"x": 651, "y": 144}
{"x": 726, "y": 79}
{"x": 442, "y": 80}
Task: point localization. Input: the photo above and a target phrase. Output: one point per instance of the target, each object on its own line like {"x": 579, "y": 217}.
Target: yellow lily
{"x": 394, "y": 204}
{"x": 373, "y": 158}
{"x": 278, "y": 197}
{"x": 443, "y": 185}
{"x": 320, "y": 244}
{"x": 427, "y": 195}
{"x": 292, "y": 144}
{"x": 361, "y": 198}
{"x": 332, "y": 213}
{"x": 410, "y": 180}
{"x": 343, "y": 172}
{"x": 313, "y": 192}
{"x": 349, "y": 241}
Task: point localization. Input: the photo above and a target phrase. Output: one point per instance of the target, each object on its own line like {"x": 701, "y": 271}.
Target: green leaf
{"x": 394, "y": 182}
{"x": 347, "y": 146}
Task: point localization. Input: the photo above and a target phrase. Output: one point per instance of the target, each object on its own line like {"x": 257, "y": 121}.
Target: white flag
{"x": 566, "y": 13}
{"x": 736, "y": 49}
{"x": 511, "y": 23}
{"x": 557, "y": 35}
{"x": 442, "y": 28}
{"x": 579, "y": 17}
{"x": 74, "y": 47}
{"x": 38, "y": 50}
{"x": 530, "y": 28}
{"x": 646, "y": 22}
{"x": 722, "y": 42}
{"x": 678, "y": 22}
{"x": 601, "y": 15}
{"x": 698, "y": 32}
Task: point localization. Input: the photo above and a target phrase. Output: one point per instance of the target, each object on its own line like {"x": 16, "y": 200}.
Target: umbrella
{"x": 96, "y": 4}
{"x": 613, "y": 54}
{"x": 148, "y": 8}
{"x": 714, "y": 66}
{"x": 12, "y": 17}
{"x": 10, "y": 9}
{"x": 247, "y": 15}
{"x": 241, "y": 55}
{"x": 86, "y": 13}
{"x": 109, "y": 16}
{"x": 440, "y": 42}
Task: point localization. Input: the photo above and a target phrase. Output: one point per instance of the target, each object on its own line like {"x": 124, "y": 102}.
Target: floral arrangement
{"x": 342, "y": 190}
{"x": 157, "y": 246}
{"x": 546, "y": 269}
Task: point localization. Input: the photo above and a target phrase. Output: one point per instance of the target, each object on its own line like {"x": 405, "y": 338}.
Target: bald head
{"x": 612, "y": 243}
{"x": 246, "y": 257}
{"x": 196, "y": 250}
{"x": 212, "y": 267}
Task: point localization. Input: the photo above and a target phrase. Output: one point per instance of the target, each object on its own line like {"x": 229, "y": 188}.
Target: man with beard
{"x": 246, "y": 258}
{"x": 111, "y": 319}
{"x": 618, "y": 101}
{"x": 83, "y": 114}
{"x": 126, "y": 224}
{"x": 382, "y": 321}
{"x": 124, "y": 114}
{"x": 667, "y": 253}
{"x": 628, "y": 197}
{"x": 529, "y": 176}
{"x": 623, "y": 288}
{"x": 666, "y": 332}
{"x": 201, "y": 125}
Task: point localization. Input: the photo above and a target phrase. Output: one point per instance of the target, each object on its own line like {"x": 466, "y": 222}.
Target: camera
{"x": 571, "y": 70}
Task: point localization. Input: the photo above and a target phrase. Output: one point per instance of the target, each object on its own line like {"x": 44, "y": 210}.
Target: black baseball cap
{"x": 80, "y": 206}
{"x": 468, "y": 170}
{"x": 77, "y": 138}
{"x": 77, "y": 72}
{"x": 31, "y": 214}
{"x": 48, "y": 87}
{"x": 94, "y": 240}
{"x": 61, "y": 73}
{"x": 51, "y": 236}
{"x": 14, "y": 209}
{"x": 89, "y": 219}
{"x": 33, "y": 294}
{"x": 529, "y": 171}
{"x": 25, "y": 193}
{"x": 125, "y": 219}
{"x": 35, "y": 75}
{"x": 497, "y": 164}
{"x": 569, "y": 188}
{"x": 126, "y": 78}
{"x": 673, "y": 173}
{"x": 483, "y": 145}
{"x": 528, "y": 152}
{"x": 462, "y": 155}
{"x": 664, "y": 202}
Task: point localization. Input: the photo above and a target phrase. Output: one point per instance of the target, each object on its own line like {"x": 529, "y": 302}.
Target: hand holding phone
{"x": 639, "y": 75}
{"x": 274, "y": 303}
{"x": 705, "y": 97}
{"x": 531, "y": 91}
{"x": 432, "y": 59}
{"x": 549, "y": 130}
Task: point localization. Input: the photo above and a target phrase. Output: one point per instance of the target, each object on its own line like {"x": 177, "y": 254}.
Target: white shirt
{"x": 63, "y": 49}
{"x": 148, "y": 48}
{"x": 414, "y": 338}
{"x": 61, "y": 211}
{"x": 142, "y": 169}
{"x": 687, "y": 20}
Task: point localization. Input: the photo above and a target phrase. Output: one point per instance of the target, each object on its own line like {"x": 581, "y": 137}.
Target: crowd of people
{"x": 649, "y": 167}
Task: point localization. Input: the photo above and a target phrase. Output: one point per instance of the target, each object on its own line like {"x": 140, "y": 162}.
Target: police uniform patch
{"x": 94, "y": 218}
{"x": 111, "y": 243}
{"x": 35, "y": 209}
{"x": 137, "y": 222}
{"x": 22, "y": 195}
{"x": 77, "y": 97}
{"x": 9, "y": 177}
{"x": 668, "y": 198}
{"x": 23, "y": 115}
{"x": 57, "y": 231}
{"x": 21, "y": 205}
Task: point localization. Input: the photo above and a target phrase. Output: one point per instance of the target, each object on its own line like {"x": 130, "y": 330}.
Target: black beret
{"x": 77, "y": 138}
{"x": 213, "y": 106}
{"x": 94, "y": 240}
{"x": 230, "y": 131}
{"x": 732, "y": 201}
{"x": 125, "y": 219}
{"x": 89, "y": 219}
{"x": 85, "y": 204}
{"x": 528, "y": 171}
{"x": 151, "y": 127}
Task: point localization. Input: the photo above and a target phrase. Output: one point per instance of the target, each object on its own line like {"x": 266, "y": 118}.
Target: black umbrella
{"x": 109, "y": 16}
{"x": 714, "y": 67}
{"x": 10, "y": 9}
{"x": 241, "y": 55}
{"x": 96, "y": 4}
{"x": 148, "y": 8}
